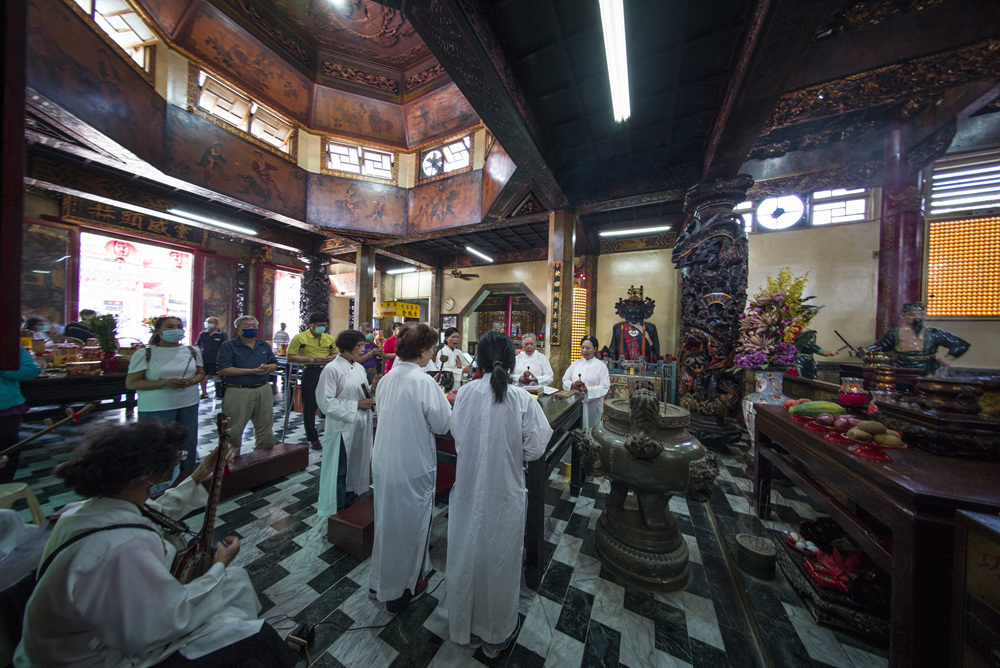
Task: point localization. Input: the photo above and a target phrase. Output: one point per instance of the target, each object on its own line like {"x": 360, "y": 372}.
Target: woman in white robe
{"x": 531, "y": 367}
{"x": 497, "y": 428}
{"x": 590, "y": 376}
{"x": 450, "y": 359}
{"x": 412, "y": 409}
{"x": 109, "y": 599}
{"x": 345, "y": 472}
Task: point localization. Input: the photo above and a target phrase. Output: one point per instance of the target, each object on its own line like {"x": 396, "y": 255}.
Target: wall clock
{"x": 449, "y": 304}
{"x": 779, "y": 213}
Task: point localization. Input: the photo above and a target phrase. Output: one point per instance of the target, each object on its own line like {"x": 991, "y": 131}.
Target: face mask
{"x": 370, "y": 336}
{"x": 161, "y": 487}
{"x": 209, "y": 325}
{"x": 44, "y": 328}
{"x": 319, "y": 330}
{"x": 172, "y": 335}
{"x": 248, "y": 333}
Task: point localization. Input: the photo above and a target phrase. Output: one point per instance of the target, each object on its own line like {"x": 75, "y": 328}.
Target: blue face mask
{"x": 172, "y": 335}
{"x": 248, "y": 333}
{"x": 161, "y": 487}
{"x": 44, "y": 328}
{"x": 370, "y": 336}
{"x": 319, "y": 330}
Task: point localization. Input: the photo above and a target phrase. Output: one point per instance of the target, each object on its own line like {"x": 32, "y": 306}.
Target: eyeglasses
{"x": 182, "y": 454}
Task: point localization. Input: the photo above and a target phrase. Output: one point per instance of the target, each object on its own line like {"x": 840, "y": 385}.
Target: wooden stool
{"x": 12, "y": 491}
{"x": 353, "y": 528}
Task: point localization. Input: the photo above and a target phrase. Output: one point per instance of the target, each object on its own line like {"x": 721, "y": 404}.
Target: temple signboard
{"x": 115, "y": 219}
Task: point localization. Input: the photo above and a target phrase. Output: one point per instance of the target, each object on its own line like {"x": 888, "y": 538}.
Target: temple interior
{"x": 466, "y": 164}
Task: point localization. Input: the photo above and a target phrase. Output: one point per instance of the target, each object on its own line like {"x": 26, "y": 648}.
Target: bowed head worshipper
{"x": 915, "y": 345}
{"x": 634, "y": 339}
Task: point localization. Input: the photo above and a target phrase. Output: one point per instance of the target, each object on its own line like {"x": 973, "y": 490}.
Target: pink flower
{"x": 757, "y": 309}
{"x": 779, "y": 297}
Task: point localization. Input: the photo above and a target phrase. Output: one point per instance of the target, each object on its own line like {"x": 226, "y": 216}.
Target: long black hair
{"x": 495, "y": 355}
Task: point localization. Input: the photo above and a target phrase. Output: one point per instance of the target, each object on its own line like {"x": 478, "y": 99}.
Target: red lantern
{"x": 178, "y": 259}
{"x": 119, "y": 249}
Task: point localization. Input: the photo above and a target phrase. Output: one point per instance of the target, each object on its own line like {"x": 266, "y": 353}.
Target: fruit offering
{"x": 815, "y": 408}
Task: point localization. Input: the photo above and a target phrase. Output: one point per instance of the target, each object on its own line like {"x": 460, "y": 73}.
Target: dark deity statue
{"x": 634, "y": 339}
{"x": 711, "y": 254}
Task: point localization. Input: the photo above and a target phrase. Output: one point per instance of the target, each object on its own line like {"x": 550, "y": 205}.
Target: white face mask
{"x": 164, "y": 486}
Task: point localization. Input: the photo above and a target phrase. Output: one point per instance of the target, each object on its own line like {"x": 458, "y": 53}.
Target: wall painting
{"x": 227, "y": 48}
{"x": 219, "y": 291}
{"x": 362, "y": 117}
{"x": 445, "y": 203}
{"x": 443, "y": 112}
{"x": 497, "y": 171}
{"x": 356, "y": 205}
{"x": 93, "y": 81}
{"x": 206, "y": 155}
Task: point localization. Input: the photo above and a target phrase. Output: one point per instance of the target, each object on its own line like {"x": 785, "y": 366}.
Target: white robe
{"x": 337, "y": 395}
{"x": 109, "y": 599}
{"x": 487, "y": 509}
{"x": 412, "y": 409}
{"x": 454, "y": 361}
{"x": 540, "y": 368}
{"x": 594, "y": 374}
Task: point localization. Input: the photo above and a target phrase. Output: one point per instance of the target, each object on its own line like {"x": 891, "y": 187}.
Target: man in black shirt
{"x": 81, "y": 329}
{"x": 209, "y": 341}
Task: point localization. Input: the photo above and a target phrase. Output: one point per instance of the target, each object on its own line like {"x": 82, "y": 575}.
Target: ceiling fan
{"x": 457, "y": 273}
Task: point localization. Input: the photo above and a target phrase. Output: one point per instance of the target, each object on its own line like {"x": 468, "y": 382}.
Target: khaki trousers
{"x": 250, "y": 404}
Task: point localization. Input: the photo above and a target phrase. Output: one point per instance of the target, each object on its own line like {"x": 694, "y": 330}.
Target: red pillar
{"x": 901, "y": 238}
{"x": 508, "y": 318}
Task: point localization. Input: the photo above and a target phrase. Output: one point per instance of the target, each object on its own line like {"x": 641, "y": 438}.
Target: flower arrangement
{"x": 150, "y": 323}
{"x": 774, "y": 317}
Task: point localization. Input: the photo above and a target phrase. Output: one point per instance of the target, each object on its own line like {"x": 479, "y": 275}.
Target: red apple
{"x": 789, "y": 403}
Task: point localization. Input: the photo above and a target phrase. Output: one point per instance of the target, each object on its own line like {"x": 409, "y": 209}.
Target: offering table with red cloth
{"x": 901, "y": 513}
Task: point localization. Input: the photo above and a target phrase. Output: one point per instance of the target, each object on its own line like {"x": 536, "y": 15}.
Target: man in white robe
{"x": 531, "y": 368}
{"x": 344, "y": 397}
{"x": 110, "y": 599}
{"x": 412, "y": 409}
{"x": 487, "y": 508}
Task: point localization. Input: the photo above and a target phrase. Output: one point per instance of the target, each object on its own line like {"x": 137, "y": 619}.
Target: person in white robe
{"x": 344, "y": 397}
{"x": 109, "y": 598}
{"x": 531, "y": 368}
{"x": 590, "y": 376}
{"x": 497, "y": 428}
{"x": 450, "y": 359}
{"x": 412, "y": 409}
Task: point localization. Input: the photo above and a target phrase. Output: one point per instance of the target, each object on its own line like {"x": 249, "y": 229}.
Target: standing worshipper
{"x": 590, "y": 376}
{"x": 404, "y": 470}
{"x": 389, "y": 347}
{"x": 531, "y": 367}
{"x": 281, "y": 338}
{"x": 165, "y": 376}
{"x": 371, "y": 352}
{"x": 314, "y": 349}
{"x": 247, "y": 364}
{"x": 209, "y": 342}
{"x": 450, "y": 359}
{"x": 344, "y": 397}
{"x": 81, "y": 329}
{"x": 13, "y": 405}
{"x": 497, "y": 427}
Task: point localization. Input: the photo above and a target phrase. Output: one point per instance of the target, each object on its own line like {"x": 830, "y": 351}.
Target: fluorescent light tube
{"x": 634, "y": 230}
{"x": 480, "y": 254}
{"x": 404, "y": 270}
{"x": 214, "y": 223}
{"x": 613, "y": 22}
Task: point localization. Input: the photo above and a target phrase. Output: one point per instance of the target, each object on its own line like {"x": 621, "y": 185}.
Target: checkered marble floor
{"x": 581, "y": 615}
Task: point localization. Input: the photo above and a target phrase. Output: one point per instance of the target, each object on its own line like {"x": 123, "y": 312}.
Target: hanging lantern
{"x": 178, "y": 259}
{"x": 119, "y": 249}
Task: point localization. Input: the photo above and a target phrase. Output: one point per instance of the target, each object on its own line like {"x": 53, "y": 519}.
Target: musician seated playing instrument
{"x": 109, "y": 598}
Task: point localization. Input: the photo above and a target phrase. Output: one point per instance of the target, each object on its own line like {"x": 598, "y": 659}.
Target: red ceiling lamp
{"x": 178, "y": 258}
{"x": 119, "y": 249}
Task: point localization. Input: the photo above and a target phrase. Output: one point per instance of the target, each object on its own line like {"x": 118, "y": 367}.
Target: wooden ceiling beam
{"x": 778, "y": 37}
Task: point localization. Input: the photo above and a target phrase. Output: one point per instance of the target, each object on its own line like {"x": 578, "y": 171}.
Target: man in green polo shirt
{"x": 313, "y": 348}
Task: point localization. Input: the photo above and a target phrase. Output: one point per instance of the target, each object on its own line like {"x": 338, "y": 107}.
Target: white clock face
{"x": 449, "y": 304}
{"x": 778, "y": 213}
{"x": 433, "y": 163}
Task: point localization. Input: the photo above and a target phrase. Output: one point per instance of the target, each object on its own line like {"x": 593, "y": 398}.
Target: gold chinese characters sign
{"x": 397, "y": 309}
{"x": 112, "y": 218}
{"x": 557, "y": 279}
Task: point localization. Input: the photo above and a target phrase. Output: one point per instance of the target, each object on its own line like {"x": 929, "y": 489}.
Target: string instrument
{"x": 195, "y": 561}
{"x": 71, "y": 416}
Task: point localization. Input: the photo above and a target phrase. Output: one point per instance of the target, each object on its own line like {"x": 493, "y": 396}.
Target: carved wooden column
{"x": 589, "y": 269}
{"x": 12, "y": 46}
{"x": 901, "y": 234}
{"x": 364, "y": 292}
{"x": 711, "y": 254}
{"x": 315, "y": 291}
{"x": 558, "y": 332}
